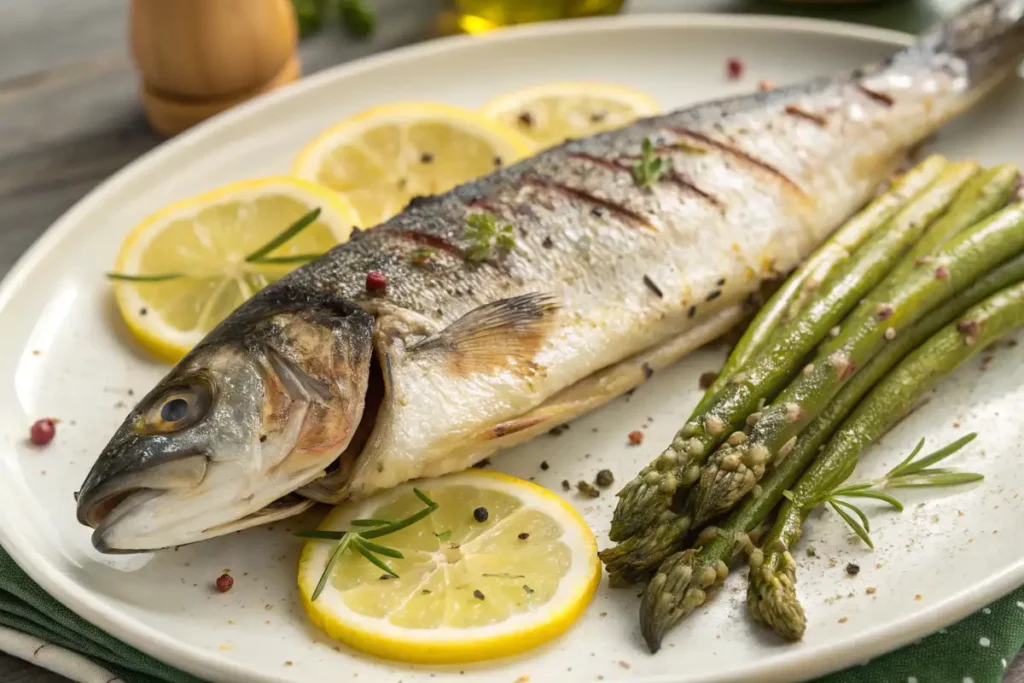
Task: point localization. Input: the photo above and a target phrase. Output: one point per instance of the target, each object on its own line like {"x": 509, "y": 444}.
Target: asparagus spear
{"x": 772, "y": 596}
{"x": 672, "y": 594}
{"x": 982, "y": 196}
{"x": 650, "y": 493}
{"x": 899, "y": 301}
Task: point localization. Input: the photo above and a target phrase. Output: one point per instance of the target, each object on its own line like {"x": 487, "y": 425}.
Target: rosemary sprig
{"x": 910, "y": 473}
{"x": 487, "y": 238}
{"x": 258, "y": 256}
{"x": 144, "y": 278}
{"x": 291, "y": 231}
{"x": 650, "y": 168}
{"x": 361, "y": 543}
{"x": 287, "y": 260}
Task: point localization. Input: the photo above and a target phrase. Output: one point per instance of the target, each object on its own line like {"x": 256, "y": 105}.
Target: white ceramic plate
{"x": 66, "y": 354}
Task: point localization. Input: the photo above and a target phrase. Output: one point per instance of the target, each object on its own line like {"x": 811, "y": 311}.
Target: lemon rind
{"x": 450, "y": 645}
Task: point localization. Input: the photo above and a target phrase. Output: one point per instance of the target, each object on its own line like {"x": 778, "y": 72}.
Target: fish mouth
{"x": 286, "y": 506}
{"x": 96, "y": 505}
{"x": 178, "y": 503}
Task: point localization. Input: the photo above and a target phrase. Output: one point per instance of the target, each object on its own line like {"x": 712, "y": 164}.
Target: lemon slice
{"x": 467, "y": 589}
{"x": 206, "y": 239}
{"x": 552, "y": 113}
{"x": 383, "y": 157}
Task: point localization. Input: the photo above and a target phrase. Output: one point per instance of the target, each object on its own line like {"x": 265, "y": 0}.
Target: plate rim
{"x": 200, "y": 662}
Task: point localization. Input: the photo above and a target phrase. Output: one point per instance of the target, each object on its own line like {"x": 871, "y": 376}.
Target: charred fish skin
{"x": 458, "y": 357}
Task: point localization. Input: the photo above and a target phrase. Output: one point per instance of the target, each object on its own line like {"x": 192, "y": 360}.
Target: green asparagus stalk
{"x": 982, "y": 196}
{"x": 899, "y": 301}
{"x": 772, "y": 595}
{"x": 672, "y": 594}
{"x": 650, "y": 493}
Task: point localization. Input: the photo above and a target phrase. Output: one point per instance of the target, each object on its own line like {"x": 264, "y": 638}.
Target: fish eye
{"x": 174, "y": 410}
{"x": 177, "y": 408}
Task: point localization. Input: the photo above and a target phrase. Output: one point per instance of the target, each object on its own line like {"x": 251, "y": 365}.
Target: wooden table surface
{"x": 70, "y": 116}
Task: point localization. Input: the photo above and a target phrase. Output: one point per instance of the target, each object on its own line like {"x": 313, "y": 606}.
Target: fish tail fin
{"x": 981, "y": 43}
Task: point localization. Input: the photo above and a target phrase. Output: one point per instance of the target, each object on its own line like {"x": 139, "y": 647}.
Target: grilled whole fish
{"x": 318, "y": 389}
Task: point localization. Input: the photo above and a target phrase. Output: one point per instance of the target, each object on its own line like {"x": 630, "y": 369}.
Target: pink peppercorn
{"x": 224, "y": 583}
{"x": 734, "y": 67}
{"x": 376, "y": 282}
{"x": 42, "y": 431}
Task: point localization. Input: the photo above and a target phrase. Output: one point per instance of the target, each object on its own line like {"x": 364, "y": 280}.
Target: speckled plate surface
{"x": 63, "y": 352}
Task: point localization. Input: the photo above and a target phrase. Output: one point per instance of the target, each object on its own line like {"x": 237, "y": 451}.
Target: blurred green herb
{"x": 355, "y": 17}
{"x": 310, "y": 16}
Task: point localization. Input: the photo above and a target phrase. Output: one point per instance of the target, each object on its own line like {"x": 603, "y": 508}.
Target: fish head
{"x": 258, "y": 409}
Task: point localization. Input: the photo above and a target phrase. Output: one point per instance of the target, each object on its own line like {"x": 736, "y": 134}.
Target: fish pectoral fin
{"x": 299, "y": 383}
{"x": 494, "y": 334}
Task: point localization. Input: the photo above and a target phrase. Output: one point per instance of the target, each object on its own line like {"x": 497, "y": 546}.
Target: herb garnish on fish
{"x": 650, "y": 168}
{"x": 487, "y": 238}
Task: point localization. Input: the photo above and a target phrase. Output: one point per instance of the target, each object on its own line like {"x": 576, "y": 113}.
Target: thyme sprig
{"x": 649, "y": 169}
{"x": 910, "y": 473}
{"x": 259, "y": 256}
{"x": 486, "y": 238}
{"x": 360, "y": 541}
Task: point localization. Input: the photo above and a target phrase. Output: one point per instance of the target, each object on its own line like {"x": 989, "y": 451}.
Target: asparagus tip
{"x": 731, "y": 473}
{"x": 636, "y": 557}
{"x": 670, "y": 596}
{"x": 772, "y": 598}
{"x": 645, "y": 497}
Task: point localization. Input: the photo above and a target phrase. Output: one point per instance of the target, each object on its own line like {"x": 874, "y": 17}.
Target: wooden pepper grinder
{"x": 199, "y": 57}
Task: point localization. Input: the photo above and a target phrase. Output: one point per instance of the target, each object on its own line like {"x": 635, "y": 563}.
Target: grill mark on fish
{"x": 577, "y": 193}
{"x": 816, "y": 119}
{"x": 739, "y": 154}
{"x": 434, "y": 241}
{"x": 513, "y": 426}
{"x": 484, "y": 205}
{"x": 678, "y": 179}
{"x": 611, "y": 164}
{"x": 879, "y": 97}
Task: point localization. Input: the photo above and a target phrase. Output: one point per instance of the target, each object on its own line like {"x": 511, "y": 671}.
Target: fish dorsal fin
{"x": 493, "y": 335}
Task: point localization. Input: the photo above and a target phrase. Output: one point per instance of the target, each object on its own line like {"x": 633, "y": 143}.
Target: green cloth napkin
{"x": 975, "y": 650}
{"x": 26, "y": 607}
